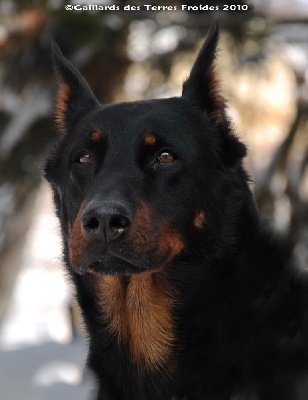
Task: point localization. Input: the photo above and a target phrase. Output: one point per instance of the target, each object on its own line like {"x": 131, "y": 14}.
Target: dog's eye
{"x": 85, "y": 159}
{"x": 165, "y": 157}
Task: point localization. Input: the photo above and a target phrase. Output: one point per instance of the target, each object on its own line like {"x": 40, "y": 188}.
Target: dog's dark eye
{"x": 85, "y": 159}
{"x": 165, "y": 157}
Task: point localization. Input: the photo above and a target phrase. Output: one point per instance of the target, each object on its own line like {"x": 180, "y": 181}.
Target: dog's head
{"x": 137, "y": 184}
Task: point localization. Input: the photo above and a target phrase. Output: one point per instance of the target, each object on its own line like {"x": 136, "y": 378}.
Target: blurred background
{"x": 130, "y": 55}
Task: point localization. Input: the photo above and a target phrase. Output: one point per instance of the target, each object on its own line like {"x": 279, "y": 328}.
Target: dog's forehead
{"x": 138, "y": 118}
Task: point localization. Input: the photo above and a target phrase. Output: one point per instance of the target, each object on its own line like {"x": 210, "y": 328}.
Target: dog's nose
{"x": 107, "y": 220}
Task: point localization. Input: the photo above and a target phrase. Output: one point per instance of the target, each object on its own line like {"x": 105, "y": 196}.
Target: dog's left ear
{"x": 202, "y": 86}
{"x": 203, "y": 90}
{"x": 74, "y": 97}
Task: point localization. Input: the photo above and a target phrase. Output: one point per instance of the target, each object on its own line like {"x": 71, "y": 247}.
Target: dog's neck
{"x": 138, "y": 311}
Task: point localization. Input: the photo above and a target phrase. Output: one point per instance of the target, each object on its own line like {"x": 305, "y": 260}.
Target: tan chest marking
{"x": 140, "y": 315}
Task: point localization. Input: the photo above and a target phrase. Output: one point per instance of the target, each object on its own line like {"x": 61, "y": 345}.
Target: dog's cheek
{"x": 154, "y": 237}
{"x": 77, "y": 243}
{"x": 170, "y": 242}
{"x": 199, "y": 219}
{"x": 144, "y": 231}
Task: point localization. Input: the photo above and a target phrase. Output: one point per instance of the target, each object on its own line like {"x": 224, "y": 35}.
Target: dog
{"x": 182, "y": 294}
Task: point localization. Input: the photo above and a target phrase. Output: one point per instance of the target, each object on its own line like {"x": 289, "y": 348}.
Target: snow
{"x": 38, "y": 359}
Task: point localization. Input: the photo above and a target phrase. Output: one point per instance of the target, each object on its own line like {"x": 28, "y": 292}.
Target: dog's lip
{"x": 99, "y": 269}
{"x": 119, "y": 265}
{"x": 130, "y": 264}
{"x": 126, "y": 269}
{"x": 99, "y": 266}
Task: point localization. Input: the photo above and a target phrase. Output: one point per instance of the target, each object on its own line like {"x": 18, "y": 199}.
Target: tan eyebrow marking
{"x": 96, "y": 136}
{"x": 150, "y": 139}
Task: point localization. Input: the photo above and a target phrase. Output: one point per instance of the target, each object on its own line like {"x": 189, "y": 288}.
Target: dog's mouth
{"x": 114, "y": 264}
{"x": 148, "y": 243}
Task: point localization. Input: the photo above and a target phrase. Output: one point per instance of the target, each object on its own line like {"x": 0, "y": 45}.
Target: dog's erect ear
{"x": 202, "y": 86}
{"x": 74, "y": 96}
{"x": 202, "y": 89}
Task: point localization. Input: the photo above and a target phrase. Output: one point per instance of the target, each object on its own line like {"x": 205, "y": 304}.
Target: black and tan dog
{"x": 182, "y": 296}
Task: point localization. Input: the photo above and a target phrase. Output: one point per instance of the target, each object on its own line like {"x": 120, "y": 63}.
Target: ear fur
{"x": 202, "y": 86}
{"x": 74, "y": 97}
{"x": 203, "y": 90}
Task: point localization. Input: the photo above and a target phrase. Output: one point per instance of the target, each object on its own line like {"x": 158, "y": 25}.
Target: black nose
{"x": 107, "y": 220}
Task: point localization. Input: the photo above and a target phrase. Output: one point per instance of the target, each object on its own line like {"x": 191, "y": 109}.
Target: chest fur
{"x": 138, "y": 312}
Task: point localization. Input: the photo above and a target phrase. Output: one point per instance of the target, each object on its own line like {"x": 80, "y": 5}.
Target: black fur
{"x": 187, "y": 231}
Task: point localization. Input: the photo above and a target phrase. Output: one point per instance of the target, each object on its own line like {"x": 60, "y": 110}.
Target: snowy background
{"x": 39, "y": 360}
